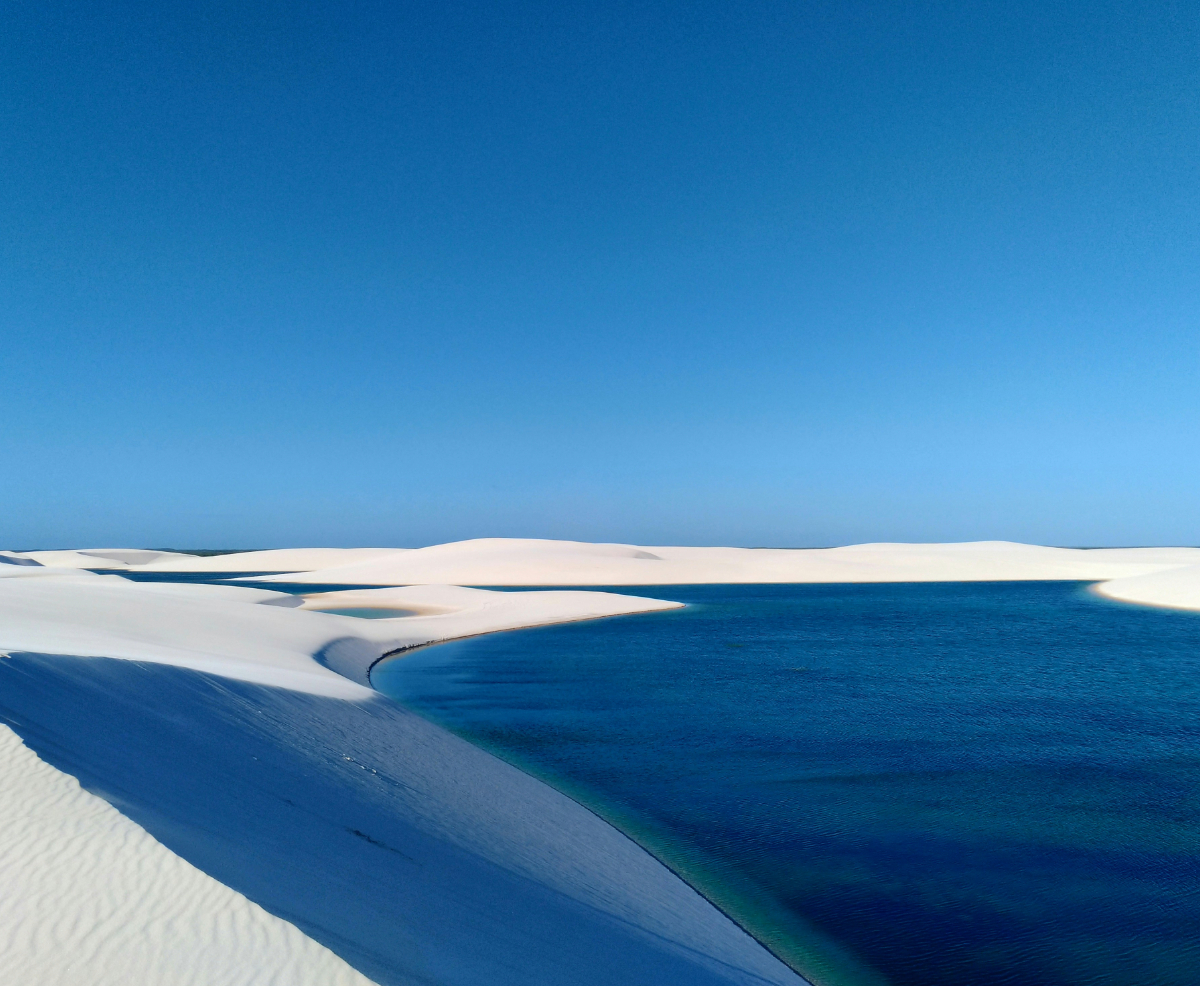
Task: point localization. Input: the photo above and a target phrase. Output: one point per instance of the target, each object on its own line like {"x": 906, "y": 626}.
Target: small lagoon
{"x": 918, "y": 785}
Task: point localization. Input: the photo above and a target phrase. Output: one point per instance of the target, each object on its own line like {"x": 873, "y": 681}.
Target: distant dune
{"x": 531, "y": 562}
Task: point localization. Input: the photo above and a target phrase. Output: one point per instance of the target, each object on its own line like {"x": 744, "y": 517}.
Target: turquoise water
{"x": 370, "y": 612}
{"x": 921, "y": 785}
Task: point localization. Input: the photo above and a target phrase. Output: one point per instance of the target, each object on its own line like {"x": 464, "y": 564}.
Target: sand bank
{"x": 245, "y": 633}
{"x": 1176, "y": 588}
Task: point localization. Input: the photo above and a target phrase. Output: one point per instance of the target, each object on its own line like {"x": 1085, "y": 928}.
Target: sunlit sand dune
{"x": 512, "y": 562}
{"x": 1176, "y": 588}
{"x": 533, "y": 562}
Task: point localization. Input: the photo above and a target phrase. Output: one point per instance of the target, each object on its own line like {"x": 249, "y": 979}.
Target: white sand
{"x": 38, "y": 571}
{"x": 530, "y": 562}
{"x": 184, "y": 625}
{"x": 1177, "y": 588}
{"x": 90, "y": 899}
{"x": 511, "y": 562}
{"x": 99, "y": 557}
{"x": 273, "y": 560}
{"x": 227, "y": 630}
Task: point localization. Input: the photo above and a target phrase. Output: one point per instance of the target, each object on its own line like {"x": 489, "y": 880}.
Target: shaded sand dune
{"x": 411, "y": 854}
{"x": 1177, "y": 588}
{"x": 90, "y": 897}
{"x": 272, "y": 560}
{"x": 216, "y": 721}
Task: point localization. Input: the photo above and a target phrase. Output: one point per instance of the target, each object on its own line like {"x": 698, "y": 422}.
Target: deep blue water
{"x": 922, "y": 785}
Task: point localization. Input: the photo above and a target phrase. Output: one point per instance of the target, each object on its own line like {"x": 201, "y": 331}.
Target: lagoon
{"x": 913, "y": 784}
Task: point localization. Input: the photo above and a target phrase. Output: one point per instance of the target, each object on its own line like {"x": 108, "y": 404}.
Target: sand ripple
{"x": 90, "y": 898}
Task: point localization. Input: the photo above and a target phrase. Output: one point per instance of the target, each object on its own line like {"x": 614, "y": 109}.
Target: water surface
{"x": 922, "y": 785}
{"x": 370, "y": 612}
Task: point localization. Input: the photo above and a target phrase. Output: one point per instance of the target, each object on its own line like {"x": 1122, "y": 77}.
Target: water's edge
{"x": 820, "y": 960}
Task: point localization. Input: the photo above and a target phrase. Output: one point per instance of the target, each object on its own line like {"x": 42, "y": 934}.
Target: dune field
{"x": 200, "y": 786}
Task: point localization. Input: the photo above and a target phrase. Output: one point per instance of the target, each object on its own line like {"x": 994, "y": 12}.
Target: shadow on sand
{"x": 410, "y": 853}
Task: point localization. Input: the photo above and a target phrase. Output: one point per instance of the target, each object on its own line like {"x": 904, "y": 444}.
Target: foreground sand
{"x": 279, "y": 822}
{"x": 91, "y": 897}
{"x": 240, "y": 735}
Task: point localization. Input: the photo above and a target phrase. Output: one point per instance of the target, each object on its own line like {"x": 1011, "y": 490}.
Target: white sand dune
{"x": 1177, "y": 588}
{"x": 190, "y": 626}
{"x": 99, "y": 557}
{"x": 8, "y": 571}
{"x": 510, "y": 562}
{"x": 91, "y": 899}
{"x": 272, "y": 560}
{"x": 17, "y": 558}
{"x": 226, "y": 630}
{"x": 530, "y": 562}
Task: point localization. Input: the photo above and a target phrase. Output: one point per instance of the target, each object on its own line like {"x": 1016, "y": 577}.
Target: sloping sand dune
{"x": 411, "y": 854}
{"x": 227, "y": 630}
{"x": 219, "y": 629}
{"x": 99, "y": 557}
{"x": 504, "y": 562}
{"x": 35, "y": 571}
{"x": 1177, "y": 588}
{"x": 91, "y": 899}
{"x": 273, "y": 560}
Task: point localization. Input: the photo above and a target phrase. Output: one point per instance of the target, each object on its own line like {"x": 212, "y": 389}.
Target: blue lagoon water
{"x": 919, "y": 785}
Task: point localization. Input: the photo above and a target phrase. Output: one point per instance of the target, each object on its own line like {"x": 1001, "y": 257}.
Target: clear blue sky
{"x": 791, "y": 273}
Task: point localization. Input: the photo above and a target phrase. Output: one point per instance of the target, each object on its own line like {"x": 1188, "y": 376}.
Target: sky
{"x": 792, "y": 273}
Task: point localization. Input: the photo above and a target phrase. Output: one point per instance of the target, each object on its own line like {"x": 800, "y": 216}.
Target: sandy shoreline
{"x": 236, "y": 732}
{"x": 227, "y": 741}
{"x": 1176, "y": 588}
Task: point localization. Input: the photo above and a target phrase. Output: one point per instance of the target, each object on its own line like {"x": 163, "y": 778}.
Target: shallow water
{"x": 922, "y": 785}
{"x": 370, "y": 612}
